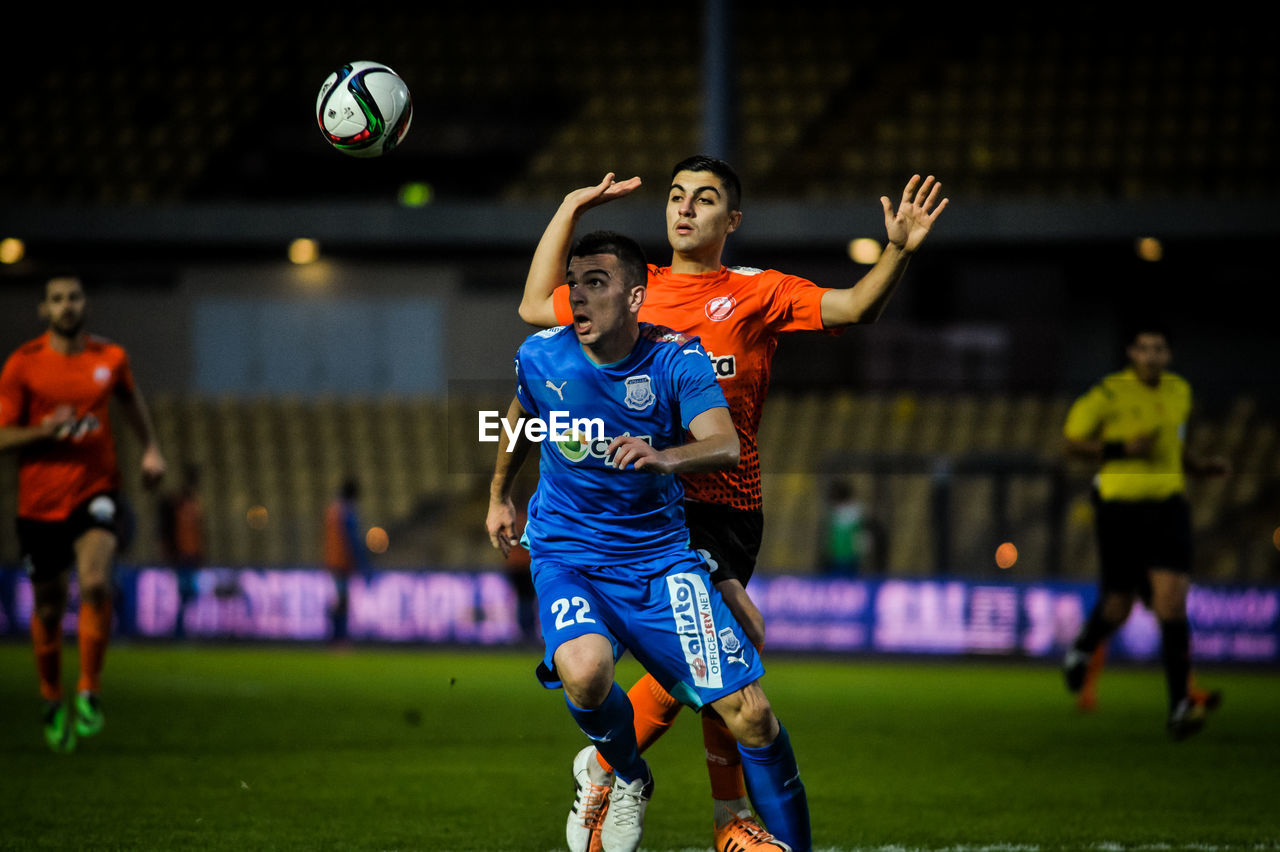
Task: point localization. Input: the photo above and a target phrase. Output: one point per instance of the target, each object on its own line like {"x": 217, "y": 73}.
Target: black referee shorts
{"x": 728, "y": 538}
{"x": 48, "y": 547}
{"x": 1135, "y": 536}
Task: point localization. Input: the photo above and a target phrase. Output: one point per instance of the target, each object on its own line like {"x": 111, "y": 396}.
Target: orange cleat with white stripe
{"x": 744, "y": 834}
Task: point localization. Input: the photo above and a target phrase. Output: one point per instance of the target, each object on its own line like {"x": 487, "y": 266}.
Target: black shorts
{"x": 1135, "y": 536}
{"x": 48, "y": 547}
{"x": 727, "y": 538}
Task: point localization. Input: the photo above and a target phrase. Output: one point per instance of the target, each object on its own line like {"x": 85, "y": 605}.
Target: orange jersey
{"x": 188, "y": 530}
{"x": 738, "y": 314}
{"x": 56, "y": 476}
{"x": 339, "y": 528}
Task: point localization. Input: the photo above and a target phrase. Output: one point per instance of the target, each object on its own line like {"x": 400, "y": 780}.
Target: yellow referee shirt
{"x": 1121, "y": 407}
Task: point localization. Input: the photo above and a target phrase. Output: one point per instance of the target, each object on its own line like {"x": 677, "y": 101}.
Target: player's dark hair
{"x": 719, "y": 168}
{"x": 350, "y": 488}
{"x": 59, "y": 275}
{"x": 631, "y": 260}
{"x": 1144, "y": 325}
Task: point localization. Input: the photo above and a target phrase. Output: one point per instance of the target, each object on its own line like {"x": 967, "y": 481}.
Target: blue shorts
{"x": 665, "y": 612}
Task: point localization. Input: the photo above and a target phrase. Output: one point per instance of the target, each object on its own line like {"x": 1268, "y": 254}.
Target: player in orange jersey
{"x": 738, "y": 314}
{"x": 55, "y": 394}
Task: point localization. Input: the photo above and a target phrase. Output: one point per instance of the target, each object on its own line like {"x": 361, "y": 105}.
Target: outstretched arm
{"x": 906, "y": 229}
{"x": 546, "y": 270}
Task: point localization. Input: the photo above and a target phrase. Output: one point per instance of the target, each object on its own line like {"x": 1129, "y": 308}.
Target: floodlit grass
{"x": 216, "y": 747}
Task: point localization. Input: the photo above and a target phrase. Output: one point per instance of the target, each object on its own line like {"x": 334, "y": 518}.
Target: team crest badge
{"x": 639, "y": 393}
{"x": 720, "y": 308}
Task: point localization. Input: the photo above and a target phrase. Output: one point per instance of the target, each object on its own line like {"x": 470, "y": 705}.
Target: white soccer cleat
{"x": 624, "y": 822}
{"x": 590, "y": 802}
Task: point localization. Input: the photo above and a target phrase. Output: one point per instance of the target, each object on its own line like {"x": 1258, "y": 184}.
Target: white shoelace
{"x": 625, "y": 803}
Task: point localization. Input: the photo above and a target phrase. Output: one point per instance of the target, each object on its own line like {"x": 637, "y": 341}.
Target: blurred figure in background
{"x": 1133, "y": 425}
{"x": 846, "y": 532}
{"x": 182, "y": 538}
{"x": 55, "y": 395}
{"x": 344, "y": 551}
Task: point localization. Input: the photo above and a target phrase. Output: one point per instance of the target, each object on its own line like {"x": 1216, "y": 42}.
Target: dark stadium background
{"x": 171, "y": 158}
{"x": 169, "y": 155}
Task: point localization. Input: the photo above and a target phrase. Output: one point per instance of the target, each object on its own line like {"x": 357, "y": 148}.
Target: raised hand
{"x": 602, "y": 193}
{"x": 916, "y": 214}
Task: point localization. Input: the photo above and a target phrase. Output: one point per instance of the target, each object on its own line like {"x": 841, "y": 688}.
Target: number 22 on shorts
{"x": 569, "y": 611}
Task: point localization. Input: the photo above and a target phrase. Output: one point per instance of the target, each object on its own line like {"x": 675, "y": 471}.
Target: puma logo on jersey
{"x": 559, "y": 390}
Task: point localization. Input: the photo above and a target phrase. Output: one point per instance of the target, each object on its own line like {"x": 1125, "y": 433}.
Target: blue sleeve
{"x": 523, "y": 396}
{"x": 351, "y": 526}
{"x": 695, "y": 381}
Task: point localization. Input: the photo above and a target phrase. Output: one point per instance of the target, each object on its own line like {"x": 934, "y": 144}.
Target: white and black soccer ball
{"x": 364, "y": 109}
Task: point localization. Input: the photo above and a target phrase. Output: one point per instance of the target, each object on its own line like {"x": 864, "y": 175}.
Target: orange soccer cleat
{"x": 744, "y": 834}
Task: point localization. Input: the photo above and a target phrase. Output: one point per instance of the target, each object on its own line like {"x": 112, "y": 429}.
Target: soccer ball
{"x": 364, "y": 109}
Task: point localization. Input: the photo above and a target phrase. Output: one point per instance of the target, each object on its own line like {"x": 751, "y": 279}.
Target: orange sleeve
{"x": 560, "y": 299}
{"x": 792, "y": 303}
{"x": 11, "y": 394}
{"x": 336, "y": 557}
{"x": 124, "y": 372}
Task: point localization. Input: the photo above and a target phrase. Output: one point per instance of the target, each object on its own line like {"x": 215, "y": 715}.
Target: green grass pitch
{"x": 274, "y": 748}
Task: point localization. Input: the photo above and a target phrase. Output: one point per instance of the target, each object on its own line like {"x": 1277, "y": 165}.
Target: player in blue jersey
{"x": 614, "y": 402}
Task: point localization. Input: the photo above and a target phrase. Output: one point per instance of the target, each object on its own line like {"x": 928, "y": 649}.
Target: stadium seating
{"x": 519, "y": 104}
{"x": 425, "y": 480}
{"x": 523, "y": 102}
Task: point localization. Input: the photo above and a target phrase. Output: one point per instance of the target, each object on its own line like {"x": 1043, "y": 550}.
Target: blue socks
{"x": 771, "y": 773}
{"x": 611, "y": 726}
{"x": 773, "y": 783}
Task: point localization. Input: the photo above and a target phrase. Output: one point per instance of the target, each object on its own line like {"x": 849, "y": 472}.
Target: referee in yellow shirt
{"x": 1133, "y": 423}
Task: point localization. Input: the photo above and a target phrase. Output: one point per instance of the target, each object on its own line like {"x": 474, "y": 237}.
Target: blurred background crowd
{"x": 298, "y": 317}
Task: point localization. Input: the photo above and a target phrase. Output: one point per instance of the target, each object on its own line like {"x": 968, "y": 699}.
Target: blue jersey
{"x": 585, "y": 512}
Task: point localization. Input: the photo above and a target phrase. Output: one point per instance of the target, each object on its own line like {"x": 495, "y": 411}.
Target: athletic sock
{"x": 1097, "y": 660}
{"x": 1196, "y": 692}
{"x": 95, "y": 631}
{"x": 1095, "y": 630}
{"x": 654, "y": 711}
{"x": 47, "y": 645}
{"x": 1175, "y": 653}
{"x": 725, "y": 811}
{"x": 773, "y": 780}
{"x": 724, "y": 767}
{"x": 724, "y": 761}
{"x": 611, "y": 726}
